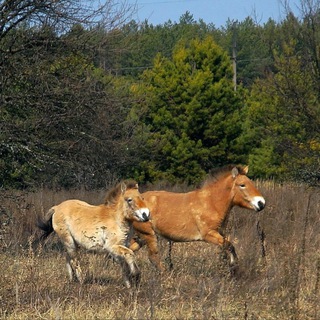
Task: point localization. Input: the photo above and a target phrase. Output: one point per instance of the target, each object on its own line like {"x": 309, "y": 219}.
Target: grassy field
{"x": 278, "y": 276}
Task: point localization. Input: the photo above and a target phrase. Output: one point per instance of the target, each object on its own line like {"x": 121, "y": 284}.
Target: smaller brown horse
{"x": 101, "y": 229}
{"x": 198, "y": 215}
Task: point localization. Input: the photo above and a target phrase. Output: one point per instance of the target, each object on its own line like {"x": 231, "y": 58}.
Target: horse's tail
{"x": 46, "y": 225}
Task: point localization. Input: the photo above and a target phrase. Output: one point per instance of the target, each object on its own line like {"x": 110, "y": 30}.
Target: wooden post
{"x": 234, "y": 56}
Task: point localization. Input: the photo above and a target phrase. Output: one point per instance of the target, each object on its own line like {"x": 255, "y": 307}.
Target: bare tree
{"x": 57, "y": 117}
{"x": 62, "y": 14}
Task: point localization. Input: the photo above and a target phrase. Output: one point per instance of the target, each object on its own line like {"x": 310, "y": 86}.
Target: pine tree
{"x": 190, "y": 112}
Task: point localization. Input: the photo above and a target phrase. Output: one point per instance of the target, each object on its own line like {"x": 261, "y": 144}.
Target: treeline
{"x": 88, "y": 96}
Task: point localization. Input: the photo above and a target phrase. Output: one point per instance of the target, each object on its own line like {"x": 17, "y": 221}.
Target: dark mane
{"x": 217, "y": 173}
{"x": 113, "y": 194}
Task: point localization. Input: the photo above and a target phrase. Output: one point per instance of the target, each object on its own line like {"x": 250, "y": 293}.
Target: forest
{"x": 89, "y": 96}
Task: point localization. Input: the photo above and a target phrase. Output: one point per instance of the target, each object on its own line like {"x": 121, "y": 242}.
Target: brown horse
{"x": 101, "y": 229}
{"x": 198, "y": 215}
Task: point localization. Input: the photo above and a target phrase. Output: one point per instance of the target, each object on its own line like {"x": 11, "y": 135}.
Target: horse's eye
{"x": 242, "y": 185}
{"x": 129, "y": 200}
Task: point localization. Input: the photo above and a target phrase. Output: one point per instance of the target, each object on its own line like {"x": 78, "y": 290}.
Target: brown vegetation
{"x": 278, "y": 276}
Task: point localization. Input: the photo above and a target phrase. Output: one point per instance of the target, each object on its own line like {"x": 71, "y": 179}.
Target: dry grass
{"x": 278, "y": 276}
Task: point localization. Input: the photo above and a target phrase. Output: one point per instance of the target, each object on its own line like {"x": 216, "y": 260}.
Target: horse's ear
{"x": 234, "y": 172}
{"x": 123, "y": 187}
{"x": 246, "y": 169}
{"x": 137, "y": 186}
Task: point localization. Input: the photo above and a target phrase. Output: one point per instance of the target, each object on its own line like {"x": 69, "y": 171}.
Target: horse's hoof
{"x": 135, "y": 279}
{"x": 234, "y": 268}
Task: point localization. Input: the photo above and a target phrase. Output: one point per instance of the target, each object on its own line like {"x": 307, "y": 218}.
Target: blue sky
{"x": 212, "y": 11}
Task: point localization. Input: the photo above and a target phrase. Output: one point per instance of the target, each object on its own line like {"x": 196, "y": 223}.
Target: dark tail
{"x": 46, "y": 225}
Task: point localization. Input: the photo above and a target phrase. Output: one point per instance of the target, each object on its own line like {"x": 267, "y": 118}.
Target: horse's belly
{"x": 100, "y": 240}
{"x": 178, "y": 232}
{"x": 98, "y": 246}
{"x": 181, "y": 238}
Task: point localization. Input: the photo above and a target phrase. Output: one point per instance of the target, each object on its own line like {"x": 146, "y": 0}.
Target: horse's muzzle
{"x": 145, "y": 217}
{"x": 258, "y": 203}
{"x": 143, "y": 214}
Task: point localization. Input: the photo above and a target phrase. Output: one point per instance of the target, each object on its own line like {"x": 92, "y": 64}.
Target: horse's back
{"x": 74, "y": 212}
{"x": 165, "y": 201}
{"x": 157, "y": 197}
{"x": 73, "y": 203}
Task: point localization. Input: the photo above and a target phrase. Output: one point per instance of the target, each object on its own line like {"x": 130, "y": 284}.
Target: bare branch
{"x": 62, "y": 14}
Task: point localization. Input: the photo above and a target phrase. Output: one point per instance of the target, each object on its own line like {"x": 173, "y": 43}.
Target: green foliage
{"x": 251, "y": 45}
{"x": 190, "y": 111}
{"x": 283, "y": 120}
{"x": 141, "y": 43}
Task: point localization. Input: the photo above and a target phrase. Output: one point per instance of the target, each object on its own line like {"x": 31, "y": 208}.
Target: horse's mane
{"x": 113, "y": 194}
{"x": 218, "y": 173}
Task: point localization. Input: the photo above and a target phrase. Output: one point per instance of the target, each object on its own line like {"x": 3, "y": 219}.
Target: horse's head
{"x": 246, "y": 195}
{"x": 136, "y": 208}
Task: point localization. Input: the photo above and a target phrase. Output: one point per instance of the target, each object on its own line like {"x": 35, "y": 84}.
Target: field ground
{"x": 278, "y": 275}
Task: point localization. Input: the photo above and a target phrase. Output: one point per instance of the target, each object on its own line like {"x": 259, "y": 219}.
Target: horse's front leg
{"x": 131, "y": 272}
{"x": 147, "y": 235}
{"x": 136, "y": 243}
{"x": 216, "y": 238}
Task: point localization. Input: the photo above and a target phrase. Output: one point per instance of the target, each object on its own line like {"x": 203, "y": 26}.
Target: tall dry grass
{"x": 278, "y": 276}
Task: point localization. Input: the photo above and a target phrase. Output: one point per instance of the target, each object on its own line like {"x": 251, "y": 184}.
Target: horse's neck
{"x": 122, "y": 221}
{"x": 221, "y": 195}
{"x": 129, "y": 234}
{"x": 120, "y": 213}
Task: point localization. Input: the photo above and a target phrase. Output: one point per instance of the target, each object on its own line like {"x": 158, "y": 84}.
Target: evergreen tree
{"x": 190, "y": 113}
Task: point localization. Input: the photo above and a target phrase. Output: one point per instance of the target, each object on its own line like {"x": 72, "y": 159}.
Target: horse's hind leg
{"x": 131, "y": 272}
{"x": 73, "y": 268}
{"x": 72, "y": 262}
{"x": 169, "y": 257}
